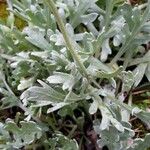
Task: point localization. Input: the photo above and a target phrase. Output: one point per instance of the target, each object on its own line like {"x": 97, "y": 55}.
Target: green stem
{"x": 61, "y": 25}
{"x": 109, "y": 9}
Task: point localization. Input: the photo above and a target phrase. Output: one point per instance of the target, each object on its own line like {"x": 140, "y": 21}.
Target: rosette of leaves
{"x": 61, "y": 57}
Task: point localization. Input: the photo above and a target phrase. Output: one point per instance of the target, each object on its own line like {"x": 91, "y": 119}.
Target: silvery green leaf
{"x": 144, "y": 116}
{"x": 111, "y": 32}
{"x": 147, "y": 72}
{"x": 56, "y": 107}
{"x": 88, "y": 46}
{"x": 8, "y": 100}
{"x": 4, "y": 138}
{"x": 105, "y": 122}
{"x": 139, "y": 72}
{"x": 141, "y": 144}
{"x": 70, "y": 30}
{"x": 107, "y": 118}
{"x": 43, "y": 55}
{"x": 109, "y": 75}
{"x": 59, "y": 59}
{"x": 113, "y": 82}
{"x": 36, "y": 37}
{"x": 128, "y": 80}
{"x": 146, "y": 27}
{"x": 125, "y": 115}
{"x": 61, "y": 13}
{"x": 75, "y": 37}
{"x": 46, "y": 95}
{"x": 23, "y": 135}
{"x": 98, "y": 65}
{"x": 144, "y": 59}
{"x": 106, "y": 50}
{"x": 25, "y": 83}
{"x": 67, "y": 80}
{"x": 142, "y": 39}
{"x": 136, "y": 110}
{"x": 80, "y": 9}
{"x": 117, "y": 40}
{"x": 110, "y": 138}
{"x": 101, "y": 21}
{"x": 86, "y": 19}
{"x": 64, "y": 142}
{"x": 127, "y": 12}
{"x": 57, "y": 38}
{"x": 136, "y": 15}
{"x": 93, "y": 108}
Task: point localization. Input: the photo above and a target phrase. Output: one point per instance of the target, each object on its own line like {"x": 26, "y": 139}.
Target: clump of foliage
{"x": 66, "y": 78}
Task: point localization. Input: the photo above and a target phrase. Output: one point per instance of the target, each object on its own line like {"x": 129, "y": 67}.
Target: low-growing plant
{"x": 66, "y": 78}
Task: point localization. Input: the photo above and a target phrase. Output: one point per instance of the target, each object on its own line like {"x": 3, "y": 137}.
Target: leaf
{"x": 63, "y": 142}
{"x": 67, "y": 80}
{"x": 107, "y": 118}
{"x": 142, "y": 39}
{"x": 107, "y": 75}
{"x": 56, "y": 107}
{"x": 144, "y": 116}
{"x": 139, "y": 71}
{"x": 106, "y": 50}
{"x": 80, "y": 9}
{"x": 93, "y": 108}
{"x": 128, "y": 80}
{"x": 24, "y": 135}
{"x": 57, "y": 38}
{"x": 117, "y": 40}
{"x": 67, "y": 110}
{"x": 141, "y": 144}
{"x": 36, "y": 37}
{"x": 147, "y": 72}
{"x": 146, "y": 27}
{"x": 46, "y": 95}
{"x": 96, "y": 65}
{"x": 25, "y": 83}
{"x": 8, "y": 100}
{"x": 86, "y": 19}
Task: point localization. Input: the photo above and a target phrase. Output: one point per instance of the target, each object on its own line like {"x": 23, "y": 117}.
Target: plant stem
{"x": 109, "y": 9}
{"x": 61, "y": 25}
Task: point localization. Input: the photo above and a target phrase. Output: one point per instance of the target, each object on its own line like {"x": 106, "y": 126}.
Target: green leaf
{"x": 107, "y": 118}
{"x": 128, "y": 79}
{"x": 86, "y": 19}
{"x": 107, "y": 75}
{"x": 25, "y": 83}
{"x": 106, "y": 50}
{"x": 8, "y": 100}
{"x": 36, "y": 37}
{"x": 67, "y": 80}
{"x": 141, "y": 144}
{"x": 46, "y": 95}
{"x": 24, "y": 135}
{"x": 147, "y": 72}
{"x": 93, "y": 108}
{"x": 139, "y": 72}
{"x": 63, "y": 142}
